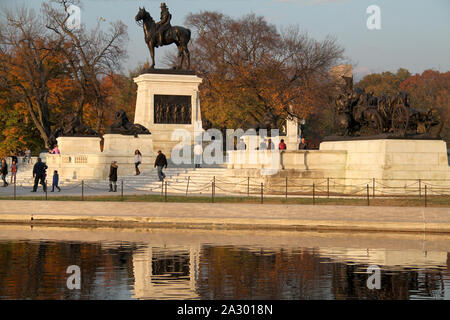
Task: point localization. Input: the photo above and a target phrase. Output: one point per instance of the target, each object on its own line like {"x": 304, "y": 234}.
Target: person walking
{"x": 113, "y": 176}
{"x": 13, "y": 169}
{"x": 160, "y": 163}
{"x": 198, "y": 152}
{"x": 137, "y": 161}
{"x": 55, "y": 181}
{"x": 39, "y": 170}
{"x": 4, "y": 172}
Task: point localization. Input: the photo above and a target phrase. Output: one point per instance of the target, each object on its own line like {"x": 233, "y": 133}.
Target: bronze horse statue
{"x": 176, "y": 34}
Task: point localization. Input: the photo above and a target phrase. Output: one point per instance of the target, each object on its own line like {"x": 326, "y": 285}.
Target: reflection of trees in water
{"x": 37, "y": 270}
{"x": 238, "y": 273}
{"x": 41, "y": 271}
{"x": 350, "y": 282}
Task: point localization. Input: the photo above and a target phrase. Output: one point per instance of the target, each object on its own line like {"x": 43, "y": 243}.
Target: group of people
{"x": 268, "y": 145}
{"x": 160, "y": 164}
{"x": 39, "y": 174}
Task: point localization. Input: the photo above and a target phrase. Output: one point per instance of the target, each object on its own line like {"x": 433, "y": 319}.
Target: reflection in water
{"x": 132, "y": 270}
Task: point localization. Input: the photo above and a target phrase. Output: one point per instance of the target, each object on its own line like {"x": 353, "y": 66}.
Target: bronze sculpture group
{"x": 172, "y": 114}
{"x": 360, "y": 113}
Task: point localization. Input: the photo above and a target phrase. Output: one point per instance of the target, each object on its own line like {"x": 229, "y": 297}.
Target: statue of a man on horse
{"x": 162, "y": 34}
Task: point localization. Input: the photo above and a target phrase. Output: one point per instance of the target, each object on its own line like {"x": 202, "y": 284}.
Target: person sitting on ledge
{"x": 303, "y": 144}
{"x": 282, "y": 145}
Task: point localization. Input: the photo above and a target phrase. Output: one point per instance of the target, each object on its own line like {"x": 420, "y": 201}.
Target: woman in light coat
{"x": 137, "y": 161}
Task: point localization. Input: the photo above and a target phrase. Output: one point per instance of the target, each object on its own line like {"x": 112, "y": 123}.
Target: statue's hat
{"x": 163, "y": 4}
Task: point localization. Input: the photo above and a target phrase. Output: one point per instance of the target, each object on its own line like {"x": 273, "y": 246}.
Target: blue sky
{"x": 415, "y": 34}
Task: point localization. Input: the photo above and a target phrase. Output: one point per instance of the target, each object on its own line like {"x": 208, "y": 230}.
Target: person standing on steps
{"x": 4, "y": 172}
{"x": 39, "y": 175}
{"x": 160, "y": 163}
{"x": 113, "y": 176}
{"x": 55, "y": 181}
{"x": 27, "y": 156}
{"x": 137, "y": 161}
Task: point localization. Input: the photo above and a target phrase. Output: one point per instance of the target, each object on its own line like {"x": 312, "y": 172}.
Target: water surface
{"x": 180, "y": 264}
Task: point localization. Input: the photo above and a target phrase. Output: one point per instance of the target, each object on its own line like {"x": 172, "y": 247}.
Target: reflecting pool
{"x": 217, "y": 264}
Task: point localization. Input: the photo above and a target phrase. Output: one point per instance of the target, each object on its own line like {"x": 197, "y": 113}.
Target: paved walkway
{"x": 227, "y": 216}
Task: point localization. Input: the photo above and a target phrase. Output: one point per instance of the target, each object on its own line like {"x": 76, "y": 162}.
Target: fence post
{"x": 162, "y": 188}
{"x": 314, "y": 193}
{"x": 425, "y": 195}
{"x": 14, "y": 189}
{"x": 165, "y": 196}
{"x": 212, "y": 191}
{"x": 286, "y": 187}
{"x": 82, "y": 190}
{"x": 187, "y": 186}
{"x": 368, "y": 203}
{"x": 373, "y": 188}
{"x": 262, "y": 192}
{"x": 121, "y": 191}
{"x": 420, "y": 189}
{"x": 248, "y": 187}
{"x": 214, "y": 178}
{"x": 328, "y": 188}
{"x": 46, "y": 190}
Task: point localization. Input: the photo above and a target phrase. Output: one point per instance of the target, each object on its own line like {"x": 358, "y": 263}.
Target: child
{"x": 14, "y": 170}
{"x": 55, "y": 181}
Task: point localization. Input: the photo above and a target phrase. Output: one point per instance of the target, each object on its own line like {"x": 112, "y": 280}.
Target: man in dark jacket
{"x": 160, "y": 163}
{"x": 4, "y": 172}
{"x": 113, "y": 176}
{"x": 39, "y": 175}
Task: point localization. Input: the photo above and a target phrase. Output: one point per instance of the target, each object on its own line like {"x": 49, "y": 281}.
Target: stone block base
{"x": 81, "y": 145}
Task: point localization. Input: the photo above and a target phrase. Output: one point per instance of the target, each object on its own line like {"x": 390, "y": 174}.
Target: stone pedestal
{"x": 152, "y": 84}
{"x": 293, "y": 138}
{"x": 118, "y": 144}
{"x": 393, "y": 158}
{"x": 80, "y": 145}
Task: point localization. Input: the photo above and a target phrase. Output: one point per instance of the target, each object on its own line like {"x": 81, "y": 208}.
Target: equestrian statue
{"x": 163, "y": 34}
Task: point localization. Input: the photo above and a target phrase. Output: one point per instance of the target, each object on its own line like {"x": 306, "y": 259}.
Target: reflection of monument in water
{"x": 166, "y": 272}
{"x": 191, "y": 272}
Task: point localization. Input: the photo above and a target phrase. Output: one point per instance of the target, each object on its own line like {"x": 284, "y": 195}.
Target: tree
{"x": 49, "y": 69}
{"x": 387, "y": 83}
{"x": 253, "y": 73}
{"x": 89, "y": 55}
{"x": 27, "y": 66}
{"x": 431, "y": 89}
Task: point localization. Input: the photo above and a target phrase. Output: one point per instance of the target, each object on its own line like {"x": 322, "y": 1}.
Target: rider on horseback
{"x": 163, "y": 25}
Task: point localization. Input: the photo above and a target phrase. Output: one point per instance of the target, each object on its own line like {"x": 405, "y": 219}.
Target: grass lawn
{"x": 435, "y": 201}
